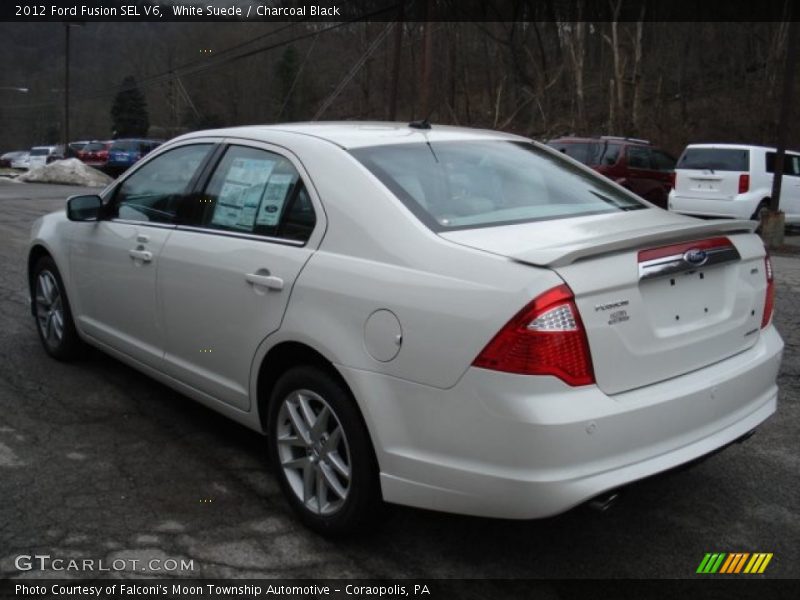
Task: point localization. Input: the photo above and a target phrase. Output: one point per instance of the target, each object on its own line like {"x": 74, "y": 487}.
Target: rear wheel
{"x": 52, "y": 311}
{"x": 760, "y": 210}
{"x": 322, "y": 453}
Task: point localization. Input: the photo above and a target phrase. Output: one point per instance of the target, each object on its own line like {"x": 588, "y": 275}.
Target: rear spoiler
{"x": 559, "y": 256}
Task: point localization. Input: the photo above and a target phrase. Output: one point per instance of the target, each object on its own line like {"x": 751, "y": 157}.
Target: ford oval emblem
{"x": 695, "y": 257}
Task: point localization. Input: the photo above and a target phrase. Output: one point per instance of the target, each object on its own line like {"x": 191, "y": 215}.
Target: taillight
{"x": 769, "y": 301}
{"x": 546, "y": 337}
{"x": 744, "y": 183}
{"x": 673, "y": 180}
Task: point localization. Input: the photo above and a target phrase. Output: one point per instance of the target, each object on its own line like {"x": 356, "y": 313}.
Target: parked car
{"x": 75, "y": 147}
{"x": 8, "y": 159}
{"x": 733, "y": 181}
{"x": 40, "y": 155}
{"x": 23, "y": 161}
{"x": 472, "y": 323}
{"x": 124, "y": 153}
{"x": 634, "y": 164}
{"x": 95, "y": 154}
{"x": 60, "y": 153}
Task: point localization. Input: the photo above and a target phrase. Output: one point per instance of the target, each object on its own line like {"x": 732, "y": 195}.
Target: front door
{"x": 114, "y": 261}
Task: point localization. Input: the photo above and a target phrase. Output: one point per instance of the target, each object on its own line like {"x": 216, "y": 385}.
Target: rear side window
{"x": 639, "y": 157}
{"x": 715, "y": 159}
{"x": 791, "y": 164}
{"x": 662, "y": 161}
{"x": 257, "y": 192}
{"x": 462, "y": 185}
{"x": 589, "y": 153}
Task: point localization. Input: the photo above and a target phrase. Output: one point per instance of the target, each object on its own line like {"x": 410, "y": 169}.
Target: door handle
{"x": 142, "y": 255}
{"x": 268, "y": 281}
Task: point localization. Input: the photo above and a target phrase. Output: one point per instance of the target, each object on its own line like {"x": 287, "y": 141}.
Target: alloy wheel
{"x": 49, "y": 309}
{"x": 313, "y": 452}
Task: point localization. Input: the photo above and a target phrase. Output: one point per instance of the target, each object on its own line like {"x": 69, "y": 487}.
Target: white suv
{"x": 731, "y": 180}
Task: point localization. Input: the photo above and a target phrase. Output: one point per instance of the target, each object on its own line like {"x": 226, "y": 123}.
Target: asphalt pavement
{"x": 99, "y": 462}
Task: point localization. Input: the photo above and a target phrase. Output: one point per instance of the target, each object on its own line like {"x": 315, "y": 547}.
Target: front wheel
{"x": 322, "y": 453}
{"x": 52, "y": 311}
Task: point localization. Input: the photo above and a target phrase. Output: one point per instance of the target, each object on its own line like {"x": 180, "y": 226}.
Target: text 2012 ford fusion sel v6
{"x": 446, "y": 318}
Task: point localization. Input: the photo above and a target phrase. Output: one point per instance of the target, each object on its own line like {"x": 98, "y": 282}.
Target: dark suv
{"x": 634, "y": 164}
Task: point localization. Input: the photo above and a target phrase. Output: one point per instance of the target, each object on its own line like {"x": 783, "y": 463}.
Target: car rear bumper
{"x": 741, "y": 206}
{"x": 512, "y": 446}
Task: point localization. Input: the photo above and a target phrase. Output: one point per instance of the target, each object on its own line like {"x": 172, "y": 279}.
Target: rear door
{"x": 225, "y": 280}
{"x": 644, "y": 178}
{"x": 711, "y": 173}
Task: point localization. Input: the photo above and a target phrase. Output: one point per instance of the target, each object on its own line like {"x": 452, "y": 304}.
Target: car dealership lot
{"x": 98, "y": 461}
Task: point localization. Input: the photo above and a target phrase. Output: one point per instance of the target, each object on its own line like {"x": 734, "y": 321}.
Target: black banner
{"x": 391, "y": 10}
{"x": 738, "y": 587}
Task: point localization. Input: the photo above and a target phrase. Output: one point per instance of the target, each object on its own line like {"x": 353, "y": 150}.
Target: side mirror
{"x": 84, "y": 208}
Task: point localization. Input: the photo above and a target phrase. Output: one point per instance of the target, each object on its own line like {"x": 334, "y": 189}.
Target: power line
{"x": 355, "y": 69}
{"x": 198, "y": 67}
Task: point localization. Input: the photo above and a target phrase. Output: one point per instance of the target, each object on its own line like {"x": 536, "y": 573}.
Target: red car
{"x": 634, "y": 164}
{"x": 95, "y": 154}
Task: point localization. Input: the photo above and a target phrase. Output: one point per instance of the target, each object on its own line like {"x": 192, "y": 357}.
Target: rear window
{"x": 40, "y": 151}
{"x": 716, "y": 159}
{"x": 464, "y": 185}
{"x": 125, "y": 146}
{"x": 94, "y": 147}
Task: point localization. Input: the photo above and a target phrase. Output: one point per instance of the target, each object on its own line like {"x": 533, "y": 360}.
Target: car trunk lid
{"x": 649, "y": 314}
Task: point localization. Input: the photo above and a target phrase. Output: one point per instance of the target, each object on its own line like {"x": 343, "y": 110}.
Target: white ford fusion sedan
{"x": 445, "y": 318}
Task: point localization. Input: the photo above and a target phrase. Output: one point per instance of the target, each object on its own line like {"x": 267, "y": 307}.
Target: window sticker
{"x": 238, "y": 200}
{"x": 274, "y": 199}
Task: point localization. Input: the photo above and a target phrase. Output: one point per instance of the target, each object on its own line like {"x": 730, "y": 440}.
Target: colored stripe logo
{"x": 734, "y": 563}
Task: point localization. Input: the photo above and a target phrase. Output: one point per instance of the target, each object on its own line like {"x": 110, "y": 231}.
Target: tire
{"x": 313, "y": 467}
{"x": 762, "y": 206}
{"x": 52, "y": 312}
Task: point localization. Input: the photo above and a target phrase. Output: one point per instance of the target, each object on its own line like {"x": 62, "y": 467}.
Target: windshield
{"x": 715, "y": 159}
{"x": 462, "y": 185}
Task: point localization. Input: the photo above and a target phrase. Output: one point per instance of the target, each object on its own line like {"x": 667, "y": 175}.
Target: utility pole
{"x": 67, "y": 26}
{"x": 66, "y": 88}
{"x": 427, "y": 59}
{"x": 398, "y": 46}
{"x": 773, "y": 221}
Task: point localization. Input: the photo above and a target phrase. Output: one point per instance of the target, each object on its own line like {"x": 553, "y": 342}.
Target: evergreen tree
{"x": 129, "y": 112}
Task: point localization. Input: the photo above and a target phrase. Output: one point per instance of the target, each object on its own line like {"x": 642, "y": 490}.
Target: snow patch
{"x": 69, "y": 171}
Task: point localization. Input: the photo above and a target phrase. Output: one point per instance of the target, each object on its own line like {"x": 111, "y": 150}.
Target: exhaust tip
{"x": 603, "y": 502}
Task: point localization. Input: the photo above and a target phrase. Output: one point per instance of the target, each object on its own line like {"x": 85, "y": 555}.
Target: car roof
{"x": 358, "y": 134}
{"x": 572, "y": 139}
{"x": 732, "y": 147}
